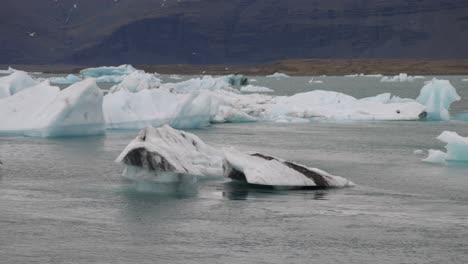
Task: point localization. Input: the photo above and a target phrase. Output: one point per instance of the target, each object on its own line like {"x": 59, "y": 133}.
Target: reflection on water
{"x": 235, "y": 190}
{"x": 185, "y": 187}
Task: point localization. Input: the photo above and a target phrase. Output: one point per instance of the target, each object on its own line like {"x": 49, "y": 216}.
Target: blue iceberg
{"x": 437, "y": 96}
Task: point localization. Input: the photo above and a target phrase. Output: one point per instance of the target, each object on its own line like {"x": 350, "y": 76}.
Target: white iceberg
{"x": 402, "y": 77}
{"x": 464, "y": 80}
{"x": 365, "y": 75}
{"x": 337, "y": 106}
{"x": 10, "y": 70}
{"x": 312, "y": 80}
{"x": 197, "y": 84}
{"x": 437, "y": 96}
{"x": 260, "y": 169}
{"x": 14, "y": 83}
{"x": 45, "y": 111}
{"x": 137, "y": 81}
{"x": 278, "y": 75}
{"x": 107, "y": 71}
{"x": 255, "y": 89}
{"x": 156, "y": 107}
{"x": 457, "y": 149}
{"x": 175, "y": 77}
{"x": 163, "y": 154}
{"x": 69, "y": 79}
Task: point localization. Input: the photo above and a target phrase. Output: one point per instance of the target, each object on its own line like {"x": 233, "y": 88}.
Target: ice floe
{"x": 278, "y": 75}
{"x": 456, "y": 149}
{"x": 45, "y": 111}
{"x": 402, "y": 77}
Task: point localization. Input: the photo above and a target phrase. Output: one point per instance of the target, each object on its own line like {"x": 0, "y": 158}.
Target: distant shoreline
{"x": 293, "y": 67}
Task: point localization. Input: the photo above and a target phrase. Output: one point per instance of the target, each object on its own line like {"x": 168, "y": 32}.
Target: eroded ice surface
{"x": 45, "y": 111}
{"x": 14, "y": 83}
{"x": 456, "y": 149}
{"x": 261, "y": 169}
{"x": 159, "y": 153}
{"x": 437, "y": 96}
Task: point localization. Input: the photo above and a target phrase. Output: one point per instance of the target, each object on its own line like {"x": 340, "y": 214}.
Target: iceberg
{"x": 255, "y": 89}
{"x": 175, "y": 77}
{"x": 137, "y": 81}
{"x": 197, "y": 84}
{"x": 107, "y": 71}
{"x": 278, "y": 75}
{"x": 457, "y": 149}
{"x": 69, "y": 79}
{"x": 402, "y": 77}
{"x": 364, "y": 75}
{"x": 235, "y": 79}
{"x": 328, "y": 105}
{"x": 10, "y": 70}
{"x": 260, "y": 169}
{"x": 45, "y": 111}
{"x": 311, "y": 81}
{"x": 163, "y": 154}
{"x": 14, "y": 83}
{"x": 437, "y": 96}
{"x": 156, "y": 107}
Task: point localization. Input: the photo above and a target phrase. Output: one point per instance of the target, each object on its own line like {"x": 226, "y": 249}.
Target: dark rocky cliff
{"x": 236, "y": 31}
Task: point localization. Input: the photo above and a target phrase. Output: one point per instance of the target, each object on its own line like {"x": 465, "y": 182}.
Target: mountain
{"x": 90, "y": 32}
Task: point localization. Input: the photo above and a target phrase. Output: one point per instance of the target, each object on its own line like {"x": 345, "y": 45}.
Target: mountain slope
{"x": 236, "y": 31}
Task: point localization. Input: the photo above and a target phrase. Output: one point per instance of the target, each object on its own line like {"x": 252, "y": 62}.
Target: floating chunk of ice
{"x": 107, "y": 71}
{"x": 110, "y": 79}
{"x": 165, "y": 154}
{"x": 14, "y": 83}
{"x": 457, "y": 149}
{"x": 402, "y": 77}
{"x": 235, "y": 79}
{"x": 10, "y": 70}
{"x": 418, "y": 152}
{"x": 45, "y": 111}
{"x": 261, "y": 169}
{"x": 69, "y": 79}
{"x": 161, "y": 154}
{"x": 255, "y": 89}
{"x": 437, "y": 96}
{"x": 278, "y": 75}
